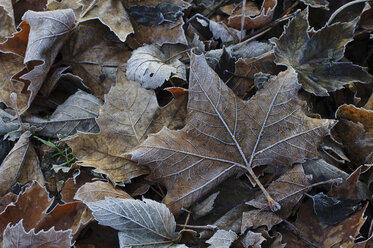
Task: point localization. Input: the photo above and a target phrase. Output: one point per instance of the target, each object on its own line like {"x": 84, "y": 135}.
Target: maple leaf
{"x": 225, "y": 134}
{"x": 315, "y": 58}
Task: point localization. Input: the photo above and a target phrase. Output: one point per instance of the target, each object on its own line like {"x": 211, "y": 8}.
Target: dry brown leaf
{"x": 21, "y": 6}
{"x": 6, "y": 19}
{"x": 96, "y": 191}
{"x": 10, "y": 64}
{"x": 287, "y": 190}
{"x": 20, "y": 165}
{"x": 265, "y": 16}
{"x": 340, "y": 235}
{"x": 16, "y": 236}
{"x": 111, "y": 13}
{"x": 35, "y": 198}
{"x": 94, "y": 54}
{"x": 128, "y": 115}
{"x": 17, "y": 43}
{"x": 253, "y": 240}
{"x": 225, "y": 134}
{"x": 48, "y": 31}
{"x": 6, "y": 200}
{"x": 355, "y": 130}
{"x": 160, "y": 34}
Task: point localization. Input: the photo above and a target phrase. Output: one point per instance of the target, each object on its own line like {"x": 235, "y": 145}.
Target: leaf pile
{"x": 186, "y": 123}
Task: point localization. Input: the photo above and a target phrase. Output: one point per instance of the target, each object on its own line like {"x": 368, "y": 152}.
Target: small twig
{"x": 243, "y": 18}
{"x": 343, "y": 7}
{"x": 156, "y": 191}
{"x": 197, "y": 227}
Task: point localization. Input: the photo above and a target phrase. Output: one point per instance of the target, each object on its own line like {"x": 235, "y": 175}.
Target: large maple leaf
{"x": 225, "y": 135}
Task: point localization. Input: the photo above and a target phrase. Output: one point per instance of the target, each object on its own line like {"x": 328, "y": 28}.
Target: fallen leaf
{"x": 355, "y": 130}
{"x": 20, "y": 165}
{"x": 110, "y": 13}
{"x": 22, "y": 6}
{"x": 266, "y": 13}
{"x": 10, "y": 65}
{"x": 287, "y": 190}
{"x": 317, "y": 3}
{"x": 205, "y": 207}
{"x": 16, "y": 236}
{"x": 7, "y": 19}
{"x": 95, "y": 54}
{"x": 17, "y": 43}
{"x": 222, "y": 239}
{"x": 77, "y": 113}
{"x": 97, "y": 191}
{"x": 146, "y": 223}
{"x": 130, "y": 112}
{"x": 225, "y": 134}
{"x": 315, "y": 58}
{"x": 150, "y": 67}
{"x": 35, "y": 198}
{"x": 253, "y": 239}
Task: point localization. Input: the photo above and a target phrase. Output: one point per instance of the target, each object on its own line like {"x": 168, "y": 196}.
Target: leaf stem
{"x": 343, "y": 7}
{"x": 197, "y": 227}
{"x": 243, "y": 18}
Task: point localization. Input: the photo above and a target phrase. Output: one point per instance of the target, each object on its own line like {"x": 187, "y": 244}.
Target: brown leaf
{"x": 20, "y": 165}
{"x": 6, "y": 19}
{"x": 110, "y": 13}
{"x": 340, "y": 235}
{"x": 16, "y": 236}
{"x": 10, "y": 64}
{"x": 35, "y": 198}
{"x": 96, "y": 191}
{"x": 94, "y": 54}
{"x": 224, "y": 134}
{"x": 21, "y": 7}
{"x": 315, "y": 57}
{"x": 47, "y": 35}
{"x": 287, "y": 190}
{"x": 355, "y": 130}
{"x": 128, "y": 115}
{"x": 265, "y": 16}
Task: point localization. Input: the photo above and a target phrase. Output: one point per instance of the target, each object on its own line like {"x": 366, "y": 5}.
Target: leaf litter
{"x": 186, "y": 123}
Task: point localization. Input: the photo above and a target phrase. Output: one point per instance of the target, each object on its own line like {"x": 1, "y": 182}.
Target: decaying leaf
{"x": 149, "y": 66}
{"x": 266, "y": 13}
{"x": 35, "y": 198}
{"x": 10, "y": 64}
{"x": 20, "y": 165}
{"x": 355, "y": 130}
{"x": 225, "y": 134}
{"x": 287, "y": 190}
{"x": 203, "y": 208}
{"x": 111, "y": 13}
{"x": 317, "y": 3}
{"x": 253, "y": 239}
{"x": 315, "y": 58}
{"x": 77, "y": 113}
{"x": 16, "y": 236}
{"x": 47, "y": 34}
{"x": 95, "y": 54}
{"x": 222, "y": 239}
{"x": 140, "y": 223}
{"x": 96, "y": 191}
{"x": 130, "y": 112}
{"x": 6, "y": 19}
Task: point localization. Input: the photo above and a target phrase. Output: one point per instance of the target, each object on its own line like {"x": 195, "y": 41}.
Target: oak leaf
{"x": 225, "y": 135}
{"x": 16, "y": 236}
{"x": 315, "y": 58}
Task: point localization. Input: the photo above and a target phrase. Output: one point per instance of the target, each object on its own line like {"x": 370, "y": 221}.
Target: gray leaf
{"x": 317, "y": 3}
{"x": 222, "y": 239}
{"x": 150, "y": 67}
{"x": 146, "y": 223}
{"x": 77, "y": 113}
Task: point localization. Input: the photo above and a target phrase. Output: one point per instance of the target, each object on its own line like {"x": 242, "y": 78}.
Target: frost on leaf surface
{"x": 150, "y": 67}
{"x": 16, "y": 236}
{"x": 224, "y": 134}
{"x": 222, "y": 239}
{"x": 315, "y": 58}
{"x": 140, "y": 223}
